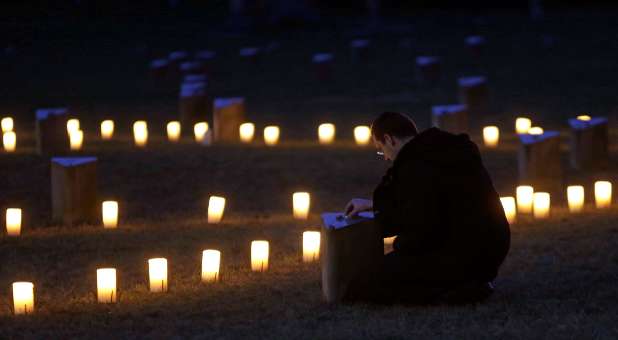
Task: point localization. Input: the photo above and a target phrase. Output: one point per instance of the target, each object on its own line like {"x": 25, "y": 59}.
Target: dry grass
{"x": 559, "y": 280}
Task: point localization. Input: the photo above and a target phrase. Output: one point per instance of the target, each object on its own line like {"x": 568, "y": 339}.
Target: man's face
{"x": 386, "y": 149}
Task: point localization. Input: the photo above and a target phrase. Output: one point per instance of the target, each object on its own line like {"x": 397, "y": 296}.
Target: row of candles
{"x": 527, "y": 201}
{"x": 107, "y": 291}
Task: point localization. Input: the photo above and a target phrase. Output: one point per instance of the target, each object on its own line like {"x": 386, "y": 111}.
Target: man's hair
{"x": 395, "y": 124}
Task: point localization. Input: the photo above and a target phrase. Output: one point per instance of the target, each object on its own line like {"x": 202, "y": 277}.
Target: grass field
{"x": 559, "y": 280}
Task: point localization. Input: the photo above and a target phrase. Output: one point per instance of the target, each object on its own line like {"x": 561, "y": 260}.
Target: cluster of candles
{"x": 9, "y": 138}
{"x": 538, "y": 203}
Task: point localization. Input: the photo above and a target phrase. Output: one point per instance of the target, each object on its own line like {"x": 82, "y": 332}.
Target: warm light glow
{"x": 157, "y": 273}
{"x": 326, "y": 133}
{"x": 7, "y": 124}
{"x": 13, "y": 221}
{"x": 110, "y": 214}
{"x": 23, "y": 298}
{"x": 491, "y": 136}
{"x": 140, "y": 133}
{"x": 541, "y": 205}
{"x": 259, "y": 256}
{"x": 247, "y": 130}
{"x": 199, "y": 130}
{"x": 603, "y": 194}
{"x": 173, "y": 131}
{"x": 301, "y": 202}
{"x": 106, "y": 285}
{"x": 525, "y": 198}
{"x": 510, "y": 210}
{"x": 211, "y": 262}
{"x": 575, "y": 198}
{"x": 216, "y": 206}
{"x": 389, "y": 240}
{"x": 584, "y": 118}
{"x": 76, "y": 139}
{"x": 535, "y": 130}
{"x": 522, "y": 125}
{"x": 107, "y": 129}
{"x": 9, "y": 140}
{"x": 311, "y": 246}
{"x": 271, "y": 135}
{"x": 362, "y": 135}
{"x": 72, "y": 125}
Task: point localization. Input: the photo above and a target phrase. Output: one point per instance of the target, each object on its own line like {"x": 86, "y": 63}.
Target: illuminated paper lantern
{"x": 7, "y": 124}
{"x": 311, "y": 246}
{"x": 13, "y": 221}
{"x": 301, "y": 202}
{"x": 259, "y": 256}
{"x": 522, "y": 125}
{"x": 362, "y": 135}
{"x": 110, "y": 214}
{"x": 199, "y": 131}
{"x": 326, "y": 133}
{"x": 216, "y": 206}
{"x": 9, "y": 140}
{"x": 157, "y": 273}
{"x": 575, "y": 198}
{"x": 76, "y": 138}
{"x": 389, "y": 240}
{"x": 525, "y": 197}
{"x": 72, "y": 125}
{"x": 211, "y": 262}
{"x": 107, "y": 129}
{"x": 140, "y": 133}
{"x": 603, "y": 194}
{"x": 173, "y": 131}
{"x": 491, "y": 136}
{"x": 23, "y": 298}
{"x": 510, "y": 210}
{"x": 246, "y": 130}
{"x": 106, "y": 285}
{"x": 541, "y": 205}
{"x": 271, "y": 135}
{"x": 585, "y": 118}
{"x": 535, "y": 131}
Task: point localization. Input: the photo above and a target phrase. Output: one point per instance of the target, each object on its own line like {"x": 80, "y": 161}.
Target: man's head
{"x": 390, "y": 131}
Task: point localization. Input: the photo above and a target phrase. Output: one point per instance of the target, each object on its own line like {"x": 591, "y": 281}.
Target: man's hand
{"x": 357, "y": 205}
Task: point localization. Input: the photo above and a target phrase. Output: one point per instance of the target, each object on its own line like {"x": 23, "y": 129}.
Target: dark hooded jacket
{"x": 439, "y": 200}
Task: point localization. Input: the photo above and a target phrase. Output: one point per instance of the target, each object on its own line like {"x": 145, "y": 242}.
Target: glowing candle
{"x": 326, "y": 133}
{"x": 23, "y": 298}
{"x": 211, "y": 262}
{"x": 584, "y": 118}
{"x": 157, "y": 272}
{"x": 491, "y": 136}
{"x": 216, "y": 206}
{"x": 140, "y": 133}
{"x": 311, "y": 246}
{"x": 9, "y": 140}
{"x": 522, "y": 125}
{"x": 362, "y": 135}
{"x": 575, "y": 198}
{"x": 271, "y": 135}
{"x": 510, "y": 210}
{"x": 301, "y": 202}
{"x": 535, "y": 131}
{"x": 107, "y": 129}
{"x": 603, "y": 194}
{"x": 173, "y": 131}
{"x": 7, "y": 124}
{"x": 13, "y": 221}
{"x": 72, "y": 125}
{"x": 389, "y": 240}
{"x": 76, "y": 138}
{"x": 259, "y": 256}
{"x": 199, "y": 130}
{"x": 541, "y": 205}
{"x": 106, "y": 285}
{"x": 110, "y": 214}
{"x": 247, "y": 131}
{"x": 524, "y": 195}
